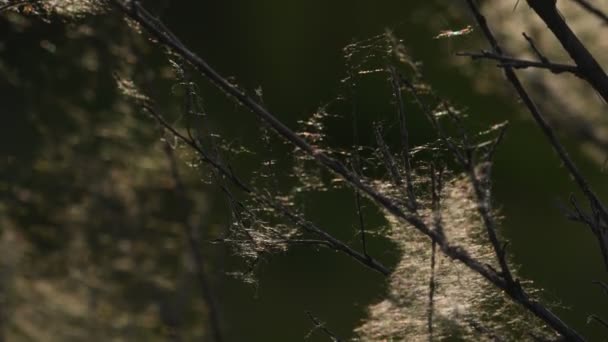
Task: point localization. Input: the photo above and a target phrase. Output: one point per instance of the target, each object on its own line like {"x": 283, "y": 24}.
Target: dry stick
{"x": 588, "y": 66}
{"x": 537, "y": 52}
{"x": 308, "y": 242}
{"x": 197, "y": 256}
{"x": 455, "y": 252}
{"x": 596, "y": 205}
{"x": 296, "y": 219}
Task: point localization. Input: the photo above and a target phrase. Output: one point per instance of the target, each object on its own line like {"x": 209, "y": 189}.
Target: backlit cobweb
{"x": 464, "y": 306}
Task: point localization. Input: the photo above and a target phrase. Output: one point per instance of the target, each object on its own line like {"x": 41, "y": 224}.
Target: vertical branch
{"x": 361, "y": 222}
{"x": 405, "y": 152}
{"x": 436, "y": 188}
{"x": 535, "y": 49}
{"x": 357, "y": 158}
{"x": 432, "y": 285}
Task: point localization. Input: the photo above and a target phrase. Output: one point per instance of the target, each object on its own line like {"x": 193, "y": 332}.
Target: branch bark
{"x": 588, "y": 66}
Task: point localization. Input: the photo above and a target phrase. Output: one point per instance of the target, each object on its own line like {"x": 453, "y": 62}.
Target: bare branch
{"x": 523, "y": 64}
{"x": 432, "y": 285}
{"x": 361, "y": 221}
{"x": 588, "y": 66}
{"x": 537, "y": 52}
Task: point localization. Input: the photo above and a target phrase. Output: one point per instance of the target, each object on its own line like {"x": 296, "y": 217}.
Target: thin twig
{"x": 517, "y": 63}
{"x": 318, "y": 325}
{"x": 361, "y": 222}
{"x": 405, "y": 145}
{"x": 537, "y": 52}
{"x": 598, "y": 319}
{"x": 389, "y": 161}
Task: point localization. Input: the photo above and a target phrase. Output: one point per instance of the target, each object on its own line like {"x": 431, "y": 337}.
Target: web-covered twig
{"x": 134, "y": 10}
{"x": 280, "y": 208}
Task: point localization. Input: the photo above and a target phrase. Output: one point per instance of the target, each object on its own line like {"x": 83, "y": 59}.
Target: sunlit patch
{"x": 73, "y": 8}
{"x": 450, "y": 33}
